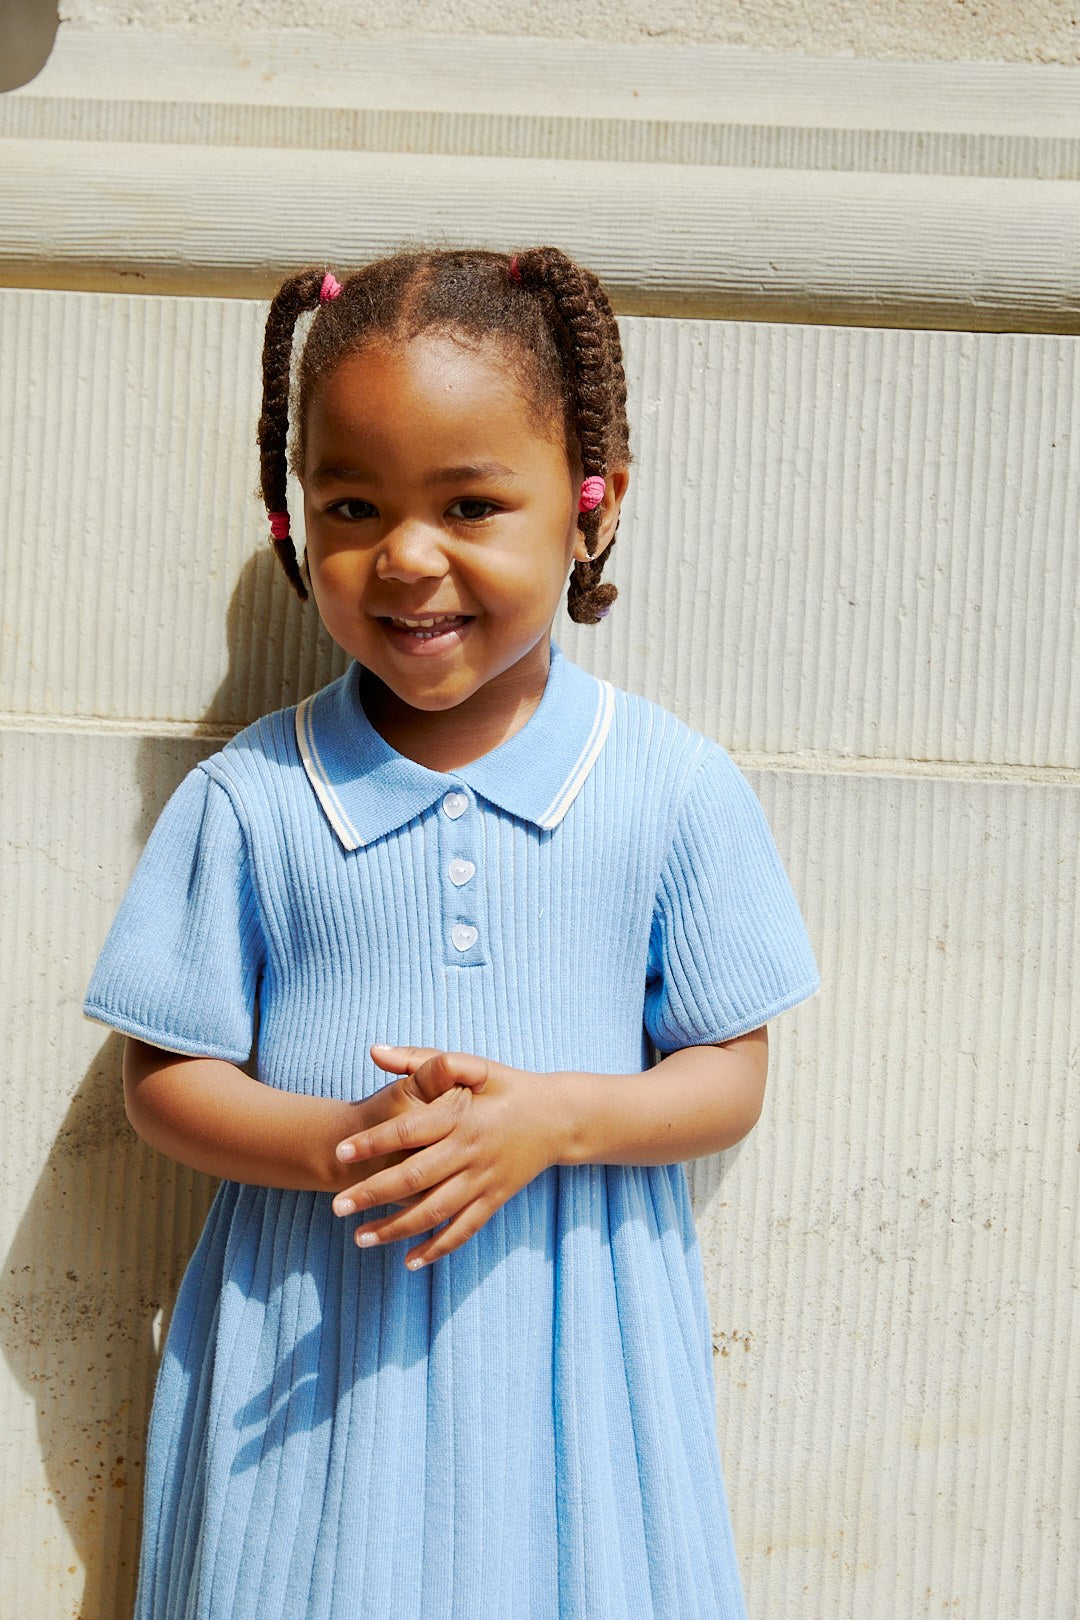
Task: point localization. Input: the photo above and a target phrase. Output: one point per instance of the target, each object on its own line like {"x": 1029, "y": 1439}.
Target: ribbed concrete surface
{"x": 851, "y": 555}
{"x": 893, "y": 1252}
{"x": 873, "y": 532}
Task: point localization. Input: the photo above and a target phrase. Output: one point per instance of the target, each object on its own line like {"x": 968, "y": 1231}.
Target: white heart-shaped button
{"x": 463, "y": 936}
{"x": 460, "y": 872}
{"x": 455, "y": 805}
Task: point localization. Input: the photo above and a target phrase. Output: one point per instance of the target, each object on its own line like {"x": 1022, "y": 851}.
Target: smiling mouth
{"x": 429, "y": 626}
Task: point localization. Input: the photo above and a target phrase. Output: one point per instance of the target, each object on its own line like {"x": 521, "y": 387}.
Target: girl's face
{"x": 441, "y": 519}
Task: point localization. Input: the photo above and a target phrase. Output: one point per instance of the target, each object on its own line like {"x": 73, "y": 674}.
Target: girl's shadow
{"x": 90, "y": 1278}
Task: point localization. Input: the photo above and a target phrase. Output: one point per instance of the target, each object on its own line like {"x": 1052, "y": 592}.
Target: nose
{"x": 411, "y": 551}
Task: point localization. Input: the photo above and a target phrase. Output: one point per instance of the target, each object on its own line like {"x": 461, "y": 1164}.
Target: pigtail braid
{"x": 296, "y": 295}
{"x": 613, "y": 346}
{"x": 590, "y": 340}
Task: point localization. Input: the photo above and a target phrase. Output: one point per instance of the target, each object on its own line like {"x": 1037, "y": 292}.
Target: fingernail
{"x": 345, "y": 1150}
{"x": 344, "y": 1206}
{"x": 366, "y": 1239}
{"x": 414, "y": 1264}
{"x": 380, "y": 1047}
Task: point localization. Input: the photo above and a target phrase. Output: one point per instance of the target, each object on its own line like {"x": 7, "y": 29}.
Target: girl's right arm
{"x": 209, "y": 1114}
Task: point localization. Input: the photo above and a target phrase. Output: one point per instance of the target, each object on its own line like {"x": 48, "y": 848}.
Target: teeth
{"x": 426, "y": 624}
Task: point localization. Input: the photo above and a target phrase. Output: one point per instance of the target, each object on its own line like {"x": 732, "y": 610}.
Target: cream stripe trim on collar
{"x": 585, "y": 761}
{"x": 324, "y": 792}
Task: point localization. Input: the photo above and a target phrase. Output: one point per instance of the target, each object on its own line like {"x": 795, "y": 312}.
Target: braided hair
{"x": 551, "y": 318}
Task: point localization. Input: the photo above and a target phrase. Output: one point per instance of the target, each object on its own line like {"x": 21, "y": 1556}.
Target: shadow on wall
{"x": 82, "y": 1302}
{"x": 90, "y": 1279}
{"x": 27, "y": 34}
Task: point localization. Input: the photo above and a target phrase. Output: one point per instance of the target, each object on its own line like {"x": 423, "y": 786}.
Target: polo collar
{"x": 366, "y": 789}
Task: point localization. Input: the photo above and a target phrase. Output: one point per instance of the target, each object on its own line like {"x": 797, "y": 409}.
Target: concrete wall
{"x": 922, "y": 30}
{"x": 849, "y": 552}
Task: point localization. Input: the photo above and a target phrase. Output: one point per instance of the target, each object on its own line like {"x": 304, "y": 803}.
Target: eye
{"x": 471, "y": 509}
{"x": 352, "y": 509}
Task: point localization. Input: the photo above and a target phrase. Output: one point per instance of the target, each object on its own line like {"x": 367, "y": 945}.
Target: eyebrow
{"x": 338, "y": 475}
{"x": 468, "y": 474}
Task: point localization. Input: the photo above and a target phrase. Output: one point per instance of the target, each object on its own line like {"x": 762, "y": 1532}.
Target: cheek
{"x": 529, "y": 582}
{"x": 335, "y": 579}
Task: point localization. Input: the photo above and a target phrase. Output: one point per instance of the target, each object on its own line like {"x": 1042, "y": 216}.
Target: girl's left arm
{"x": 697, "y": 1101}
{"x": 471, "y": 1150}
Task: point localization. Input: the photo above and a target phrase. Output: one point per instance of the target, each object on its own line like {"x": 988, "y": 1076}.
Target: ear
{"x": 617, "y": 483}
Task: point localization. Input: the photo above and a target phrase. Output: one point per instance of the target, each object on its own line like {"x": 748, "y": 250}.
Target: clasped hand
{"x": 471, "y": 1134}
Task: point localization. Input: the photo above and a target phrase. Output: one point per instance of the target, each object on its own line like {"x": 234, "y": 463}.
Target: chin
{"x": 433, "y": 701}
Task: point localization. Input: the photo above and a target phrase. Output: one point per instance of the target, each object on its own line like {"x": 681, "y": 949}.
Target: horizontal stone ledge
{"x": 473, "y": 133}
{"x": 659, "y": 80}
{"x": 803, "y": 763}
{"x": 474, "y": 97}
{"x": 853, "y": 248}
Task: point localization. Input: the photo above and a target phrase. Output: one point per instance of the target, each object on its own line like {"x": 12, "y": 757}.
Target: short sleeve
{"x": 728, "y": 949}
{"x": 181, "y": 963}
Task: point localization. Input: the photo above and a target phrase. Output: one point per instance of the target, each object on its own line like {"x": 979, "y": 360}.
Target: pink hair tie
{"x": 592, "y": 493}
{"x": 279, "y": 525}
{"x": 331, "y": 288}
{"x": 515, "y": 269}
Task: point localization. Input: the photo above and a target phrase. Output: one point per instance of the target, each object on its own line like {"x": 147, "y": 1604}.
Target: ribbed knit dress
{"x": 525, "y": 1429}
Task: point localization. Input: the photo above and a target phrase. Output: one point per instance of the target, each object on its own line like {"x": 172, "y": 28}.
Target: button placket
{"x": 459, "y": 836}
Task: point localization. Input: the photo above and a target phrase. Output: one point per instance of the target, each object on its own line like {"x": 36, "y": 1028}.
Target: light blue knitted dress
{"x": 525, "y": 1429}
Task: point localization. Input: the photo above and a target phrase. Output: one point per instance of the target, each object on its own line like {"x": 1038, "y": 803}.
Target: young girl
{"x": 443, "y": 1351}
